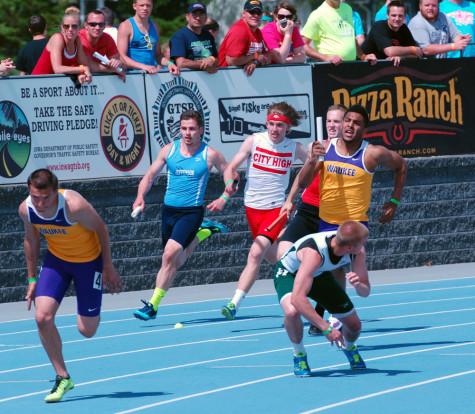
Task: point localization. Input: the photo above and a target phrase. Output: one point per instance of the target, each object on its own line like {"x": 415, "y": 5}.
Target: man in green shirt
{"x": 331, "y": 29}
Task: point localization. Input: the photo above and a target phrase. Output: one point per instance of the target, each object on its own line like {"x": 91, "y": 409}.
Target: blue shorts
{"x": 55, "y": 278}
{"x": 181, "y": 224}
{"x": 325, "y": 226}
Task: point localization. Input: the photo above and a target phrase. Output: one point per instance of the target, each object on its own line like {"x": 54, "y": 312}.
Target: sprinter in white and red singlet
{"x": 270, "y": 156}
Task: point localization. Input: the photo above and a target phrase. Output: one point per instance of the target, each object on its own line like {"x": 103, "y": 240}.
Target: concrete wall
{"x": 434, "y": 225}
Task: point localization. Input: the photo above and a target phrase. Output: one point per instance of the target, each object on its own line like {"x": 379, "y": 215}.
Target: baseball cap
{"x": 253, "y": 5}
{"x": 196, "y": 7}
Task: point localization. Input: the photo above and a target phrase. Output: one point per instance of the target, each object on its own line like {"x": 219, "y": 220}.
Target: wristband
{"x": 32, "y": 279}
{"x": 394, "y": 201}
{"x": 327, "y": 331}
{"x": 452, "y": 46}
{"x": 228, "y": 182}
{"x": 170, "y": 62}
{"x": 224, "y": 197}
{"x": 82, "y": 69}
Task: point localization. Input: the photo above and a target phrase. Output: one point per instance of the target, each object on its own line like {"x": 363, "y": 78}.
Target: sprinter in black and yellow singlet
{"x": 77, "y": 250}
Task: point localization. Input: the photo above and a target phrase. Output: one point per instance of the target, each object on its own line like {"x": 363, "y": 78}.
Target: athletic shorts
{"x": 181, "y": 224}
{"x": 259, "y": 219}
{"x": 325, "y": 226}
{"x": 304, "y": 222}
{"x": 56, "y": 276}
{"x": 325, "y": 290}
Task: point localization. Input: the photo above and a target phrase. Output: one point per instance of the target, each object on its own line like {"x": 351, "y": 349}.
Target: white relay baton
{"x": 105, "y": 60}
{"x": 136, "y": 212}
{"x": 320, "y": 134}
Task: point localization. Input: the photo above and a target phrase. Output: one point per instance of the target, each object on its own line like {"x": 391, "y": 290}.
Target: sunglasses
{"x": 255, "y": 12}
{"x": 285, "y": 16}
{"x": 70, "y": 26}
{"x": 95, "y": 24}
{"x": 146, "y": 37}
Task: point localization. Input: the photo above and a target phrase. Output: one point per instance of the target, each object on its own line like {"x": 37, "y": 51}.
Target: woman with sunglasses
{"x": 138, "y": 41}
{"x": 64, "y": 54}
{"x": 282, "y": 36}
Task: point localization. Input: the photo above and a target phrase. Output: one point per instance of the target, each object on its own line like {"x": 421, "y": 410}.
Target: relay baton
{"x": 276, "y": 222}
{"x": 105, "y": 60}
{"x": 136, "y": 212}
{"x": 320, "y": 134}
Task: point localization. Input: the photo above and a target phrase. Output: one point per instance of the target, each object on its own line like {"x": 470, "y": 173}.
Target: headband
{"x": 279, "y": 118}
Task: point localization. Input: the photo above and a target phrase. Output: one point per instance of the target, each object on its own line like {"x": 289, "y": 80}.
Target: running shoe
{"x": 314, "y": 331}
{"x": 335, "y": 323}
{"x": 301, "y": 368}
{"x": 214, "y": 226}
{"x": 61, "y": 387}
{"x": 146, "y": 313}
{"x": 229, "y": 311}
{"x": 354, "y": 358}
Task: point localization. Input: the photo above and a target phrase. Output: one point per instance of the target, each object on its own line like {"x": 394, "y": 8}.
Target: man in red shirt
{"x": 93, "y": 39}
{"x": 243, "y": 45}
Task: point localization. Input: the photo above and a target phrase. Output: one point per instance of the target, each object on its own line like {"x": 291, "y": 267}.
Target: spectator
{"x": 138, "y": 41}
{"x": 64, "y": 54}
{"x": 110, "y": 29}
{"x": 212, "y": 26}
{"x": 266, "y": 18}
{"x": 391, "y": 38}
{"x": 462, "y": 14}
{"x": 72, "y": 10}
{"x": 31, "y": 52}
{"x": 93, "y": 39}
{"x": 282, "y": 37}
{"x": 192, "y": 47}
{"x": 243, "y": 45}
{"x": 6, "y": 65}
{"x": 330, "y": 27}
{"x": 434, "y": 32}
{"x": 358, "y": 26}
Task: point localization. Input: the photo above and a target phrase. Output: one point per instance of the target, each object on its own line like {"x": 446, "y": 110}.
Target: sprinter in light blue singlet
{"x": 187, "y": 177}
{"x": 188, "y": 161}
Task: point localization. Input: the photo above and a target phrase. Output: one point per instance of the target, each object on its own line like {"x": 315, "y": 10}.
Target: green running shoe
{"x": 61, "y": 387}
{"x": 354, "y": 357}
{"x": 301, "y": 368}
{"x": 229, "y": 311}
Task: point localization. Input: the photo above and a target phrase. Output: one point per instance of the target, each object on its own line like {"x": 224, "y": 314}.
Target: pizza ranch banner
{"x": 422, "y": 108}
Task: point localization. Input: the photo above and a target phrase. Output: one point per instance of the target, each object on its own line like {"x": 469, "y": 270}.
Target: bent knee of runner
{"x": 87, "y": 326}
{"x": 352, "y": 323}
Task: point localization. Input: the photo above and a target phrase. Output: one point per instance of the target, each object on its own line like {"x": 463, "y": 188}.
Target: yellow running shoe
{"x": 61, "y": 387}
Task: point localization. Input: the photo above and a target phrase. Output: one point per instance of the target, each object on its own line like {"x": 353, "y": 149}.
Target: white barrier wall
{"x": 233, "y": 104}
{"x": 92, "y": 131}
{"x": 110, "y": 128}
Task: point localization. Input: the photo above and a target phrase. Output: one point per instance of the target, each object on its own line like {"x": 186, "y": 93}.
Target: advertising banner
{"x": 422, "y": 108}
{"x": 78, "y": 132}
{"x": 233, "y": 105}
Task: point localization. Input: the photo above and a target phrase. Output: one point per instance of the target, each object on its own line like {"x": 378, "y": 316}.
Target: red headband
{"x": 279, "y": 118}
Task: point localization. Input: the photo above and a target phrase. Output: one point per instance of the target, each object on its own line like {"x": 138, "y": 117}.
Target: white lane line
{"x": 388, "y": 391}
{"x": 99, "y": 338}
{"x": 103, "y": 322}
{"x": 235, "y": 338}
{"x": 286, "y": 349}
{"x": 273, "y": 294}
{"x": 413, "y": 315}
{"x": 244, "y": 384}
